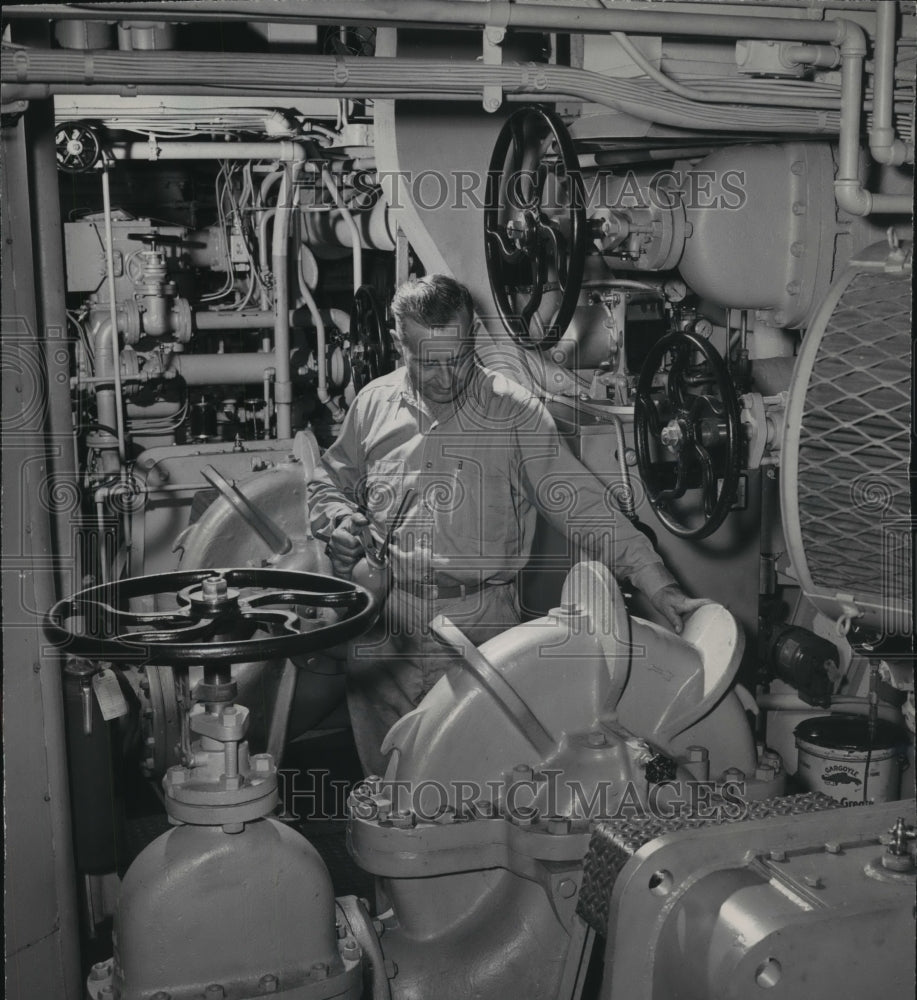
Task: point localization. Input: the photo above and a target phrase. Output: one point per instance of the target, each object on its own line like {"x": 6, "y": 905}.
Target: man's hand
{"x": 672, "y": 603}
{"x": 345, "y": 547}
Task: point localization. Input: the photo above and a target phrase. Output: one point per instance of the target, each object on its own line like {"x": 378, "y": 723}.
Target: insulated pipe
{"x": 283, "y": 387}
{"x": 456, "y": 14}
{"x": 107, "y": 401}
{"x": 263, "y": 217}
{"x": 883, "y": 145}
{"x": 324, "y": 397}
{"x": 210, "y": 369}
{"x": 208, "y": 320}
{"x": 396, "y": 78}
{"x": 155, "y": 150}
{"x": 332, "y": 186}
{"x": 264, "y": 262}
{"x": 114, "y": 354}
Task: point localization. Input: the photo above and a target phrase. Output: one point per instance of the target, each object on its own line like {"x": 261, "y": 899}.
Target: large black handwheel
{"x": 220, "y": 613}
{"x": 371, "y": 347}
{"x": 700, "y": 432}
{"x": 77, "y": 147}
{"x": 535, "y": 227}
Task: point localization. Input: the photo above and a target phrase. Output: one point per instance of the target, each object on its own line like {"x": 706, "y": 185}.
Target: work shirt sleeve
{"x": 575, "y": 502}
{"x": 331, "y": 493}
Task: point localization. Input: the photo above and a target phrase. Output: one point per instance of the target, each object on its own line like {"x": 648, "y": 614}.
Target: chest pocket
{"x": 482, "y": 506}
{"x": 382, "y": 488}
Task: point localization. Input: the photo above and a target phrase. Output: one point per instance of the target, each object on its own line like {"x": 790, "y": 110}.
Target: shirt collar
{"x": 409, "y": 394}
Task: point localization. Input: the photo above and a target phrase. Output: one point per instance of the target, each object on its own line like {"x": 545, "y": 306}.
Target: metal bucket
{"x": 833, "y": 753}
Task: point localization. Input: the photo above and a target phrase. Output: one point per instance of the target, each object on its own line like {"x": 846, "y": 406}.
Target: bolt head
{"x": 567, "y": 888}
{"x": 213, "y": 588}
{"x": 403, "y": 819}
{"x": 597, "y": 739}
{"x": 261, "y": 762}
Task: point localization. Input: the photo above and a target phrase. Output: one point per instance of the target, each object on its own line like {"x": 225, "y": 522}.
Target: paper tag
{"x": 109, "y": 695}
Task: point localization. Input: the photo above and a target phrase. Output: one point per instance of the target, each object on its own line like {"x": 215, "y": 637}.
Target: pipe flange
{"x": 203, "y": 795}
{"x": 129, "y": 321}
{"x": 181, "y": 321}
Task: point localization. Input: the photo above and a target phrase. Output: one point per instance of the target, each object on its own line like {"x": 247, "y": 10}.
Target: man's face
{"x": 438, "y": 359}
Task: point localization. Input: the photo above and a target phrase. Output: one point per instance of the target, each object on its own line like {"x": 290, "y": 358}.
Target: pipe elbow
{"x": 850, "y": 37}
{"x": 886, "y": 149}
{"x": 852, "y": 197}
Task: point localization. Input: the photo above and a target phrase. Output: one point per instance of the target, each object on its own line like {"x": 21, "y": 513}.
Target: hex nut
{"x": 403, "y": 819}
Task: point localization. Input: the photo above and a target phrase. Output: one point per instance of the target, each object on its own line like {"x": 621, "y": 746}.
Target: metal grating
{"x": 615, "y": 842}
{"x": 854, "y": 445}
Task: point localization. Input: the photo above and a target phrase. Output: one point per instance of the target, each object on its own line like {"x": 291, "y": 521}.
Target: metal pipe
{"x": 264, "y": 257}
{"x": 262, "y": 218}
{"x": 883, "y": 145}
{"x": 268, "y": 378}
{"x": 455, "y": 14}
{"x": 49, "y": 278}
{"x": 394, "y": 78}
{"x": 320, "y": 342}
{"x": 209, "y": 320}
{"x": 114, "y": 351}
{"x": 107, "y": 405}
{"x": 333, "y": 187}
{"x": 849, "y": 193}
{"x": 283, "y": 149}
{"x": 233, "y": 369}
{"x": 324, "y": 397}
{"x": 283, "y": 387}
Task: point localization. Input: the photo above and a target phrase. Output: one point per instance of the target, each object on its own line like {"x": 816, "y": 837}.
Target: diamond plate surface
{"x": 613, "y": 844}
{"x": 854, "y": 445}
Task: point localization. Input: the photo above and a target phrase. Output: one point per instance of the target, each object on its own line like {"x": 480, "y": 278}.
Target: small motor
{"x": 806, "y": 661}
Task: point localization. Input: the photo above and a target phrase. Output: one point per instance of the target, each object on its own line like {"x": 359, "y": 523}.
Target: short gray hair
{"x": 434, "y": 300}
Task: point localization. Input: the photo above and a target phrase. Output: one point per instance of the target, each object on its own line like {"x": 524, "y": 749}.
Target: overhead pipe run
{"x": 849, "y": 192}
{"x": 883, "y": 145}
{"x": 455, "y": 14}
{"x": 391, "y": 77}
{"x": 283, "y": 150}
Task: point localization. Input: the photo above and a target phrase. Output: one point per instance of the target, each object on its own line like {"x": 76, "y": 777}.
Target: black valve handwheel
{"x": 535, "y": 233}
{"x": 700, "y": 430}
{"x": 219, "y": 613}
{"x": 371, "y": 348}
{"x": 77, "y": 147}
